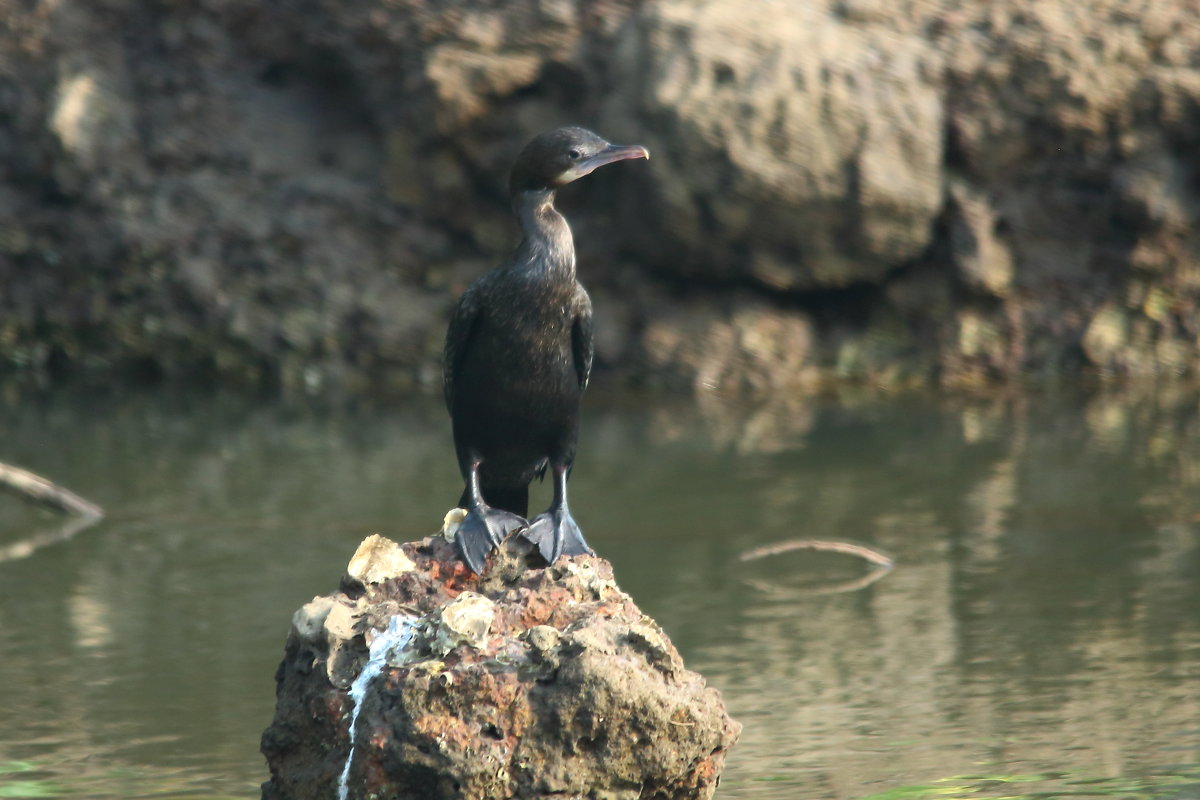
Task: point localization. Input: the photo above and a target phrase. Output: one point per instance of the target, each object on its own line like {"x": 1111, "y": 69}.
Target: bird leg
{"x": 484, "y": 527}
{"x": 554, "y": 532}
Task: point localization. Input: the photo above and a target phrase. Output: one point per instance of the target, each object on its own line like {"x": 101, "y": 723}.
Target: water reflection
{"x": 1041, "y": 628}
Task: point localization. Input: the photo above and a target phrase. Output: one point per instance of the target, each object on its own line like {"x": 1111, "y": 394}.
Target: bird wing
{"x": 582, "y": 346}
{"x": 458, "y": 338}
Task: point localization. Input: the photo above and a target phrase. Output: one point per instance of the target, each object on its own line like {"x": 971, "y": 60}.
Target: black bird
{"x": 518, "y": 356}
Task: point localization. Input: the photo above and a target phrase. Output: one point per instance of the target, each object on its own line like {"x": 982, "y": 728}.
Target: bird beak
{"x": 610, "y": 154}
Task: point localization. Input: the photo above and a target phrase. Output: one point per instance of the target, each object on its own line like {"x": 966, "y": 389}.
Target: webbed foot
{"x": 555, "y": 533}
{"x": 482, "y": 531}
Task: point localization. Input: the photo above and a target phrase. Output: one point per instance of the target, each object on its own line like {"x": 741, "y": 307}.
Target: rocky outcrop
{"x": 956, "y": 191}
{"x": 420, "y": 679}
{"x": 797, "y": 151}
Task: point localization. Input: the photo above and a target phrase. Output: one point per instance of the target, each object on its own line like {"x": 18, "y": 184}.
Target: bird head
{"x": 557, "y": 157}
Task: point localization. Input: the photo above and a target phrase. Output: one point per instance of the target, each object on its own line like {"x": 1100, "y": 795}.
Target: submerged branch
{"x": 44, "y": 492}
{"x": 883, "y": 565}
{"x": 31, "y": 544}
{"x": 829, "y": 546}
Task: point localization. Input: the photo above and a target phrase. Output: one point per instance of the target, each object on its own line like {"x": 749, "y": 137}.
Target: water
{"x": 1039, "y": 636}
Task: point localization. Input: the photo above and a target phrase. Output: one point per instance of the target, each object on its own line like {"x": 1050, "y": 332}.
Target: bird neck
{"x": 548, "y": 245}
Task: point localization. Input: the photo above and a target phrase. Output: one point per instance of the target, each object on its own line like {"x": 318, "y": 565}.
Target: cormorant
{"x": 517, "y": 359}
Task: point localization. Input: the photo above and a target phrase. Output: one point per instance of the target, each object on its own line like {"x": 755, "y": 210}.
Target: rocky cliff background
{"x": 889, "y": 191}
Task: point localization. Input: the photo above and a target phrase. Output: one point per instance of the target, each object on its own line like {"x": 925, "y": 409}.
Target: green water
{"x": 1039, "y": 637}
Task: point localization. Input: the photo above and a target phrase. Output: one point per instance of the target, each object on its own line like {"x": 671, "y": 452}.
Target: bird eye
{"x": 574, "y": 155}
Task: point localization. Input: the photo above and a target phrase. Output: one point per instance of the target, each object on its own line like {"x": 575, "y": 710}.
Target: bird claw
{"x": 555, "y": 533}
{"x": 482, "y": 531}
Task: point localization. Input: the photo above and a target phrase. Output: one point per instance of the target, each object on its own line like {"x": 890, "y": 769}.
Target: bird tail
{"x": 511, "y": 498}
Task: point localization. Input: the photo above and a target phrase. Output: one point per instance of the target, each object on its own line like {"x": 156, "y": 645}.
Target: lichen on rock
{"x": 531, "y": 681}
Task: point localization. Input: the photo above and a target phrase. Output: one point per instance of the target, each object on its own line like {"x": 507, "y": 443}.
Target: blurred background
{"x": 921, "y": 274}
{"x": 891, "y": 192}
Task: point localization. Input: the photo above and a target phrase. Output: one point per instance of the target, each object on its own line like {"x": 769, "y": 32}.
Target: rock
{"x": 741, "y": 346}
{"x": 983, "y": 260}
{"x": 464, "y": 620}
{"x": 530, "y": 682}
{"x": 378, "y": 559}
{"x": 1026, "y": 166}
{"x": 451, "y": 521}
{"x": 1106, "y": 337}
{"x": 797, "y": 151}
